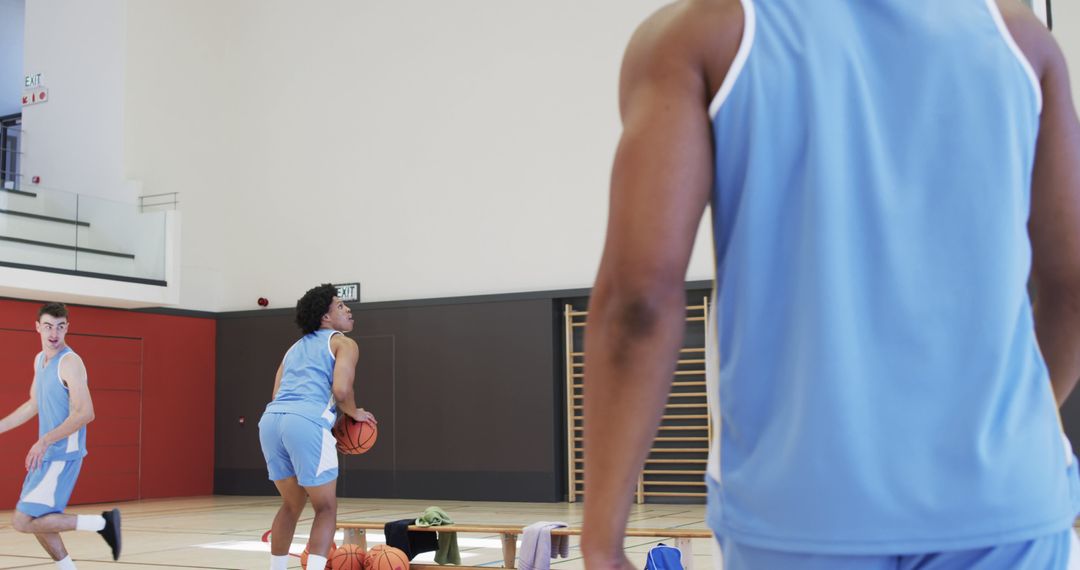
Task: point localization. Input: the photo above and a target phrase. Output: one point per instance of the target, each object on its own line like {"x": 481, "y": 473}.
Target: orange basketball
{"x": 386, "y": 558}
{"x": 347, "y": 557}
{"x": 375, "y": 550}
{"x": 353, "y": 437}
{"x": 304, "y": 556}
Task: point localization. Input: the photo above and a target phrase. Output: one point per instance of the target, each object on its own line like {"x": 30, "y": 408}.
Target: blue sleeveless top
{"x": 54, "y": 406}
{"x": 307, "y": 378}
{"x": 879, "y": 388}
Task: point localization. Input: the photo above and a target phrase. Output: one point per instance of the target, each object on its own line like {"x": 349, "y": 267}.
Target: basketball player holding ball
{"x": 314, "y": 381}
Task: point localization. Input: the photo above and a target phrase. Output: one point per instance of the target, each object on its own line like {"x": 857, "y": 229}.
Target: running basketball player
{"x": 884, "y": 177}
{"x": 314, "y": 381}
{"x": 59, "y": 397}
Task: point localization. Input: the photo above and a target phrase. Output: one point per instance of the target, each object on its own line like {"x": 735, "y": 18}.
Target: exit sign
{"x": 348, "y": 292}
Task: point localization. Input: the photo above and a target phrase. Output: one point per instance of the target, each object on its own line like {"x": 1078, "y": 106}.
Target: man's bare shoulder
{"x": 71, "y": 363}
{"x": 694, "y": 25}
{"x": 341, "y": 341}
{"x": 702, "y": 33}
{"x": 71, "y": 359}
{"x": 1031, "y": 36}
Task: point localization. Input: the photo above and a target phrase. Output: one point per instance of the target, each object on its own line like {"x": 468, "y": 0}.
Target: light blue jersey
{"x": 306, "y": 379}
{"x": 879, "y": 387}
{"x": 294, "y": 431}
{"x": 54, "y": 406}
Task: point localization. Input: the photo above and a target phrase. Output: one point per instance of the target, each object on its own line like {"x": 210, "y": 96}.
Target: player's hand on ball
{"x": 363, "y": 415}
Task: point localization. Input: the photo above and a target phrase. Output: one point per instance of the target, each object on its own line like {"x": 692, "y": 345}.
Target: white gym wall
{"x": 426, "y": 149}
{"x": 75, "y": 140}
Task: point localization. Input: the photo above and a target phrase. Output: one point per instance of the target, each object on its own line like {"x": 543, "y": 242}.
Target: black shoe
{"x": 111, "y": 532}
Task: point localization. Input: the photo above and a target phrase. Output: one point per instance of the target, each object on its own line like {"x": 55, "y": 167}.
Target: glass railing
{"x": 52, "y": 229}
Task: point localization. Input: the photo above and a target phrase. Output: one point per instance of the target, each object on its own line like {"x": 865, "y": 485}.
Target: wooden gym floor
{"x": 224, "y": 533}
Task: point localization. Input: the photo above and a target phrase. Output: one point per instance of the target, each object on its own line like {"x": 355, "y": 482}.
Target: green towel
{"x": 434, "y": 516}
{"x": 448, "y": 552}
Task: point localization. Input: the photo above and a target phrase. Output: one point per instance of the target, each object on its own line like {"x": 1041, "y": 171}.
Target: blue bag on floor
{"x": 664, "y": 557}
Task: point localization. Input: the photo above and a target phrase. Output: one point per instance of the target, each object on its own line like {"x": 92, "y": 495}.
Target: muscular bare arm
{"x": 660, "y": 186}
{"x": 1054, "y": 225}
{"x": 22, "y": 414}
{"x": 1055, "y": 231}
{"x": 346, "y": 355}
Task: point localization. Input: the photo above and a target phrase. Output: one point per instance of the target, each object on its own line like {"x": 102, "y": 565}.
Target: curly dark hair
{"x": 57, "y": 310}
{"x": 313, "y": 305}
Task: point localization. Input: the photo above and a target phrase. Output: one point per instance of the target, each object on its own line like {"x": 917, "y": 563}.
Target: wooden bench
{"x": 356, "y": 533}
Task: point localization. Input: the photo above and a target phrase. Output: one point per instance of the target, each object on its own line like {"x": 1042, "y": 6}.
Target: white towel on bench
{"x": 538, "y": 547}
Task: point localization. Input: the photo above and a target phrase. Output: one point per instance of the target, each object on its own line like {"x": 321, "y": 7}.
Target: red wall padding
{"x": 151, "y": 379}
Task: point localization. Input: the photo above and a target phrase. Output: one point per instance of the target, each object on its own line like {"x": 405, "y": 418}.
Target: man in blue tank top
{"x": 314, "y": 381}
{"x": 885, "y": 179}
{"x": 60, "y": 398}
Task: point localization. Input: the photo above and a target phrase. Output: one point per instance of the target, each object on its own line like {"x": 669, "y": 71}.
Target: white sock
{"x": 315, "y": 562}
{"x": 66, "y": 563}
{"x": 279, "y": 562}
{"x": 89, "y": 522}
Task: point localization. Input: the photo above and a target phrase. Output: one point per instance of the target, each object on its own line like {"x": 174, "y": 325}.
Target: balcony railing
{"x": 47, "y": 229}
{"x": 55, "y": 230}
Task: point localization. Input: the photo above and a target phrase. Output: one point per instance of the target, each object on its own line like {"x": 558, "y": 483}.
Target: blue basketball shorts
{"x": 48, "y": 488}
{"x": 1060, "y": 551}
{"x": 295, "y": 446}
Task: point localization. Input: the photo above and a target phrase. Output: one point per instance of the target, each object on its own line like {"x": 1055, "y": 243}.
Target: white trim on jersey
{"x": 45, "y": 491}
{"x": 991, "y": 5}
{"x": 73, "y": 439}
{"x": 58, "y": 363}
{"x": 712, "y": 389}
{"x": 737, "y": 64}
{"x": 329, "y": 348}
{"x": 328, "y": 457}
{"x": 1074, "y": 552}
{"x": 327, "y": 414}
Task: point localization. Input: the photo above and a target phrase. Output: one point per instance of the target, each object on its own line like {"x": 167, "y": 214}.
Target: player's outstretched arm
{"x": 80, "y": 411}
{"x": 22, "y": 414}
